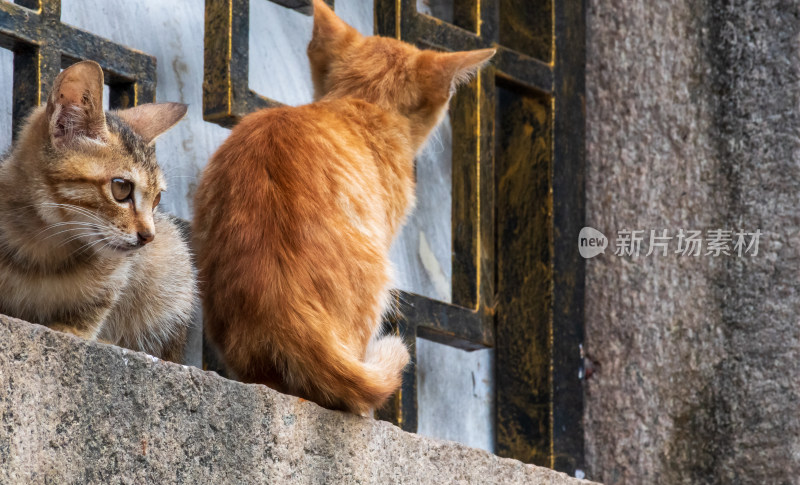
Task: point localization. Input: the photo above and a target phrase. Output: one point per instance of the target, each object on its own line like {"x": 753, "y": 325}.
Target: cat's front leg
{"x": 86, "y": 324}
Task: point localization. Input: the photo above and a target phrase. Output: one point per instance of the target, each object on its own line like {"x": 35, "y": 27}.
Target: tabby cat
{"x": 83, "y": 247}
{"x": 296, "y": 211}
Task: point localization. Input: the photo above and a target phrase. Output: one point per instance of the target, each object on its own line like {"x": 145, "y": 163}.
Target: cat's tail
{"x": 359, "y": 386}
{"x": 389, "y": 356}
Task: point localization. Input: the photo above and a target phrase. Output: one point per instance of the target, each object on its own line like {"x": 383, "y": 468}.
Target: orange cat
{"x": 296, "y": 211}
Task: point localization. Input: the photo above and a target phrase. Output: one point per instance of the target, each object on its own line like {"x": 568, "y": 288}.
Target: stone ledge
{"x": 83, "y": 412}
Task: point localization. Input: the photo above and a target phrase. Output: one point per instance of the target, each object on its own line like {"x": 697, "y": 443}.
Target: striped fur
{"x": 70, "y": 257}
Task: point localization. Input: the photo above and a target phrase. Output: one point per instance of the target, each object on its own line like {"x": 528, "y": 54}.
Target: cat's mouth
{"x": 124, "y": 248}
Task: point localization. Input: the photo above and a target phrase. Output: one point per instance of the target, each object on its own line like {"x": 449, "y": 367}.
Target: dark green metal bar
{"x": 440, "y": 34}
{"x": 445, "y": 323}
{"x": 50, "y": 8}
{"x": 42, "y": 45}
{"x": 19, "y": 25}
{"x": 466, "y": 217}
{"x": 121, "y": 64}
{"x": 526, "y": 26}
{"x": 26, "y": 85}
{"x": 523, "y": 163}
{"x": 305, "y": 7}
{"x": 223, "y": 22}
{"x": 226, "y": 94}
{"x": 568, "y": 218}
{"x": 521, "y": 69}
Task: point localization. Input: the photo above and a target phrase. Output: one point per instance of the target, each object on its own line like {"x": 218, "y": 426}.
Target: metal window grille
{"x": 42, "y": 46}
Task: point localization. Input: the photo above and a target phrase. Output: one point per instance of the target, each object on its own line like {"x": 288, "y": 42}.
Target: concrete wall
{"x": 692, "y": 123}
{"x": 78, "y": 412}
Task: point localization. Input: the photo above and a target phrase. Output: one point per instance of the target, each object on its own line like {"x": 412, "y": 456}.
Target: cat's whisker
{"x": 169, "y": 170}
{"x": 70, "y": 223}
{"x": 73, "y": 207}
{"x": 85, "y": 247}
{"x": 61, "y": 224}
{"x": 83, "y": 234}
{"x": 64, "y": 231}
{"x": 92, "y": 217}
{"x": 79, "y": 236}
{"x": 107, "y": 244}
{"x": 77, "y": 209}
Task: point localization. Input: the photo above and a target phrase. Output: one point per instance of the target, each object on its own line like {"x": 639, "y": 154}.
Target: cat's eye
{"x": 157, "y": 200}
{"x": 121, "y": 189}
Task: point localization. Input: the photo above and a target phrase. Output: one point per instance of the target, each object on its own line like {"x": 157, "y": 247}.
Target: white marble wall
{"x": 6, "y": 70}
{"x": 455, "y": 387}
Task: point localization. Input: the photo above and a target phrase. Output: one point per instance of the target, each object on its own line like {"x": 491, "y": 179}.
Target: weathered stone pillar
{"x": 692, "y": 123}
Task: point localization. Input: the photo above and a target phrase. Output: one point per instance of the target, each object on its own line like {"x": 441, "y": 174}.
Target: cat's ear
{"x": 151, "y": 120}
{"x": 75, "y": 107}
{"x": 330, "y": 40}
{"x": 460, "y": 67}
{"x": 329, "y": 29}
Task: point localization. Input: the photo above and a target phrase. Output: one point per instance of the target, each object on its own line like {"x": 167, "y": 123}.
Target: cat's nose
{"x": 145, "y": 237}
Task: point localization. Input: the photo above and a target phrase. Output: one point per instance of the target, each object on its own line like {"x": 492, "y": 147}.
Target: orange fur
{"x": 296, "y": 211}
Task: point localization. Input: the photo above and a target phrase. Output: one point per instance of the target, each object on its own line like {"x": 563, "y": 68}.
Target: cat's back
{"x": 316, "y": 134}
{"x": 304, "y": 162}
{"x": 299, "y": 190}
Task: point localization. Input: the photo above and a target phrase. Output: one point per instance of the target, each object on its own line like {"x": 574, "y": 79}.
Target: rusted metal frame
{"x": 445, "y": 323}
{"x": 42, "y": 45}
{"x": 472, "y": 199}
{"x": 524, "y": 317}
{"x": 540, "y": 300}
{"x": 524, "y": 311}
{"x": 227, "y": 96}
{"x": 34, "y": 67}
{"x": 568, "y": 218}
{"x": 469, "y": 323}
{"x": 547, "y": 407}
{"x": 418, "y": 27}
{"x": 523, "y": 70}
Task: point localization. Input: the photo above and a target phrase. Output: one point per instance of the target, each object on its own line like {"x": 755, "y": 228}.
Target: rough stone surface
{"x": 78, "y": 412}
{"x": 692, "y": 123}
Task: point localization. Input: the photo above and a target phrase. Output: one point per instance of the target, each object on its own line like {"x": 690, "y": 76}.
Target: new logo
{"x": 591, "y": 242}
